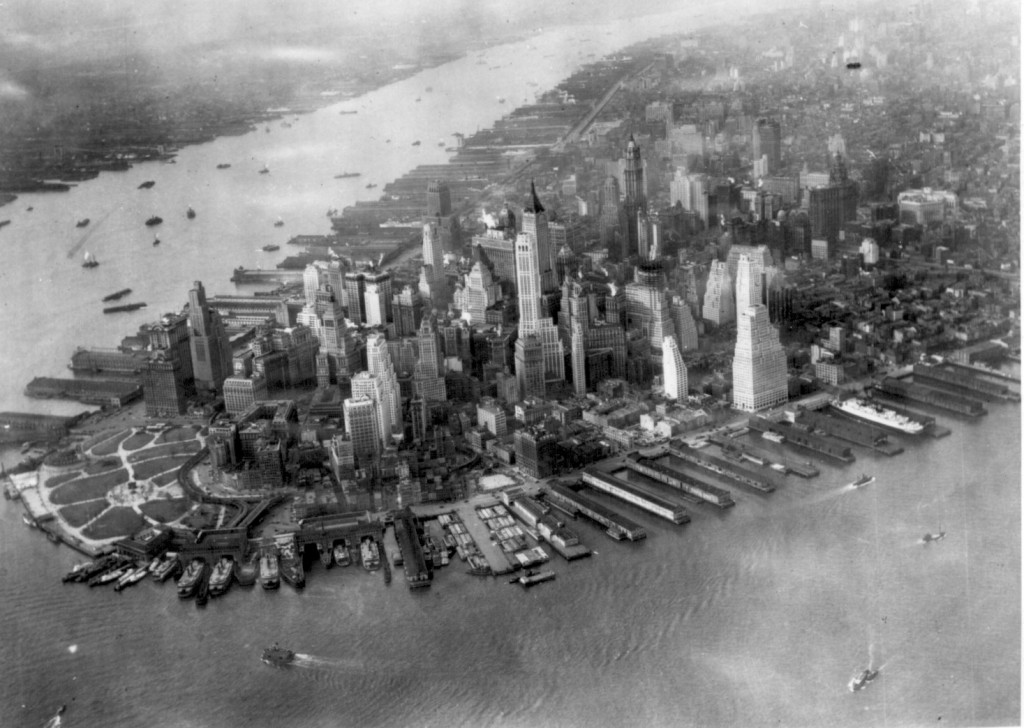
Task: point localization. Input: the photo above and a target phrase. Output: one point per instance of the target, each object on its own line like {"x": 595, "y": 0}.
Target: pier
{"x": 925, "y": 395}
{"x": 963, "y": 382}
{"x": 855, "y": 431}
{"x": 822, "y": 444}
{"x": 764, "y": 457}
{"x": 626, "y": 491}
{"x": 673, "y": 477}
{"x": 722, "y": 467}
{"x": 274, "y": 275}
{"x": 407, "y": 533}
{"x": 977, "y": 369}
{"x": 616, "y": 525}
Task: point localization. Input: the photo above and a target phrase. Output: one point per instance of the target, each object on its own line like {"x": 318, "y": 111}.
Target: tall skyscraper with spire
{"x": 535, "y": 223}
{"x": 378, "y": 361}
{"x": 635, "y": 197}
{"x": 673, "y": 370}
{"x": 759, "y": 363}
{"x": 531, "y": 321}
{"x": 432, "y": 279}
{"x": 579, "y": 359}
{"x": 209, "y": 346}
{"x": 325, "y": 317}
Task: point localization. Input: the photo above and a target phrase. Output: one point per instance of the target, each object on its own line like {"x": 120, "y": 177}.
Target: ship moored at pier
{"x": 876, "y": 413}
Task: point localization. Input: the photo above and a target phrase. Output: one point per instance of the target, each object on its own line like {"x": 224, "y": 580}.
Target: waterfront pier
{"x": 723, "y": 468}
{"x": 616, "y": 525}
{"x": 623, "y": 490}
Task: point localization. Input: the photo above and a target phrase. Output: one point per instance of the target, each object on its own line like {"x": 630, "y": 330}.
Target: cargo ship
{"x": 124, "y": 307}
{"x": 116, "y": 295}
{"x": 872, "y": 412}
{"x": 189, "y": 581}
{"x": 347, "y": 175}
{"x": 370, "y": 554}
{"x": 269, "y": 571}
{"x": 154, "y": 220}
{"x": 278, "y": 656}
{"x": 220, "y": 579}
{"x": 861, "y": 681}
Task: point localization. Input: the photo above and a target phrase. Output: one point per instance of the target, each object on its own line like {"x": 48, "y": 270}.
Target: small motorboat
{"x": 278, "y": 656}
{"x": 861, "y": 681}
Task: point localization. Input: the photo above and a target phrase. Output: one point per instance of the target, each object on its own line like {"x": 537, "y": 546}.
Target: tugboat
{"x": 190, "y": 214}
{"x": 269, "y": 571}
{"x": 154, "y": 220}
{"x": 83, "y": 222}
{"x": 863, "y": 480}
{"x": 265, "y": 170}
{"x": 271, "y": 248}
{"x": 933, "y": 537}
{"x": 132, "y": 576}
{"x": 370, "y": 186}
{"x": 76, "y": 571}
{"x": 156, "y": 241}
{"x": 861, "y": 681}
{"x": 278, "y": 656}
{"x": 147, "y": 184}
{"x": 279, "y": 223}
{"x": 416, "y": 143}
{"x": 223, "y": 165}
{"x": 90, "y": 260}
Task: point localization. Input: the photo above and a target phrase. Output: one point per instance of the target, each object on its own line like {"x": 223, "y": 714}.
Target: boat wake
{"x": 88, "y": 234}
{"x": 325, "y": 663}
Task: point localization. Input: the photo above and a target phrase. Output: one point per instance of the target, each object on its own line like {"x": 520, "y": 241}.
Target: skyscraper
{"x": 377, "y": 297}
{"x": 759, "y": 363}
{"x": 646, "y": 304}
{"x": 749, "y": 283}
{"x": 210, "y": 347}
{"x": 685, "y": 326}
{"x": 535, "y": 223}
{"x": 365, "y": 384}
{"x": 355, "y": 285}
{"x": 766, "y": 140}
{"x": 428, "y": 380}
{"x": 439, "y": 199}
{"x": 531, "y": 320}
{"x": 608, "y": 221}
{"x": 432, "y": 274}
{"x": 579, "y": 359}
{"x": 719, "y": 302}
{"x": 361, "y": 424}
{"x": 635, "y": 197}
{"x": 530, "y": 366}
{"x": 673, "y": 370}
{"x": 326, "y": 319}
{"x": 379, "y": 363}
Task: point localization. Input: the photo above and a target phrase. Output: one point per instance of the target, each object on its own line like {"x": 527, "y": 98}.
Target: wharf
{"x": 88, "y": 391}
{"x": 936, "y": 398}
{"x": 722, "y": 467}
{"x": 258, "y": 275}
{"x": 481, "y": 536}
{"x": 407, "y": 533}
{"x": 617, "y": 525}
{"x": 822, "y": 444}
{"x": 661, "y": 469}
{"x": 931, "y": 429}
{"x": 756, "y": 454}
{"x": 961, "y": 382}
{"x": 623, "y": 490}
{"x": 855, "y": 431}
{"x": 985, "y": 371}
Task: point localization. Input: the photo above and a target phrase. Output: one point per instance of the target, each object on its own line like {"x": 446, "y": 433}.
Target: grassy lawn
{"x": 166, "y": 478}
{"x": 205, "y": 516}
{"x": 117, "y": 521}
{"x": 149, "y": 468}
{"x": 62, "y": 478}
{"x": 88, "y": 488}
{"x": 174, "y": 448}
{"x": 165, "y": 510}
{"x": 100, "y": 466}
{"x": 139, "y": 439}
{"x": 80, "y": 514}
{"x": 178, "y": 434}
{"x": 110, "y": 445}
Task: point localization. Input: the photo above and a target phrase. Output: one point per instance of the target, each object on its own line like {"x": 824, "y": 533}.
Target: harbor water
{"x": 756, "y": 615}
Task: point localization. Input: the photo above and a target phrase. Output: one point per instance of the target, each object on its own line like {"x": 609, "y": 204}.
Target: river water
{"x": 758, "y": 615}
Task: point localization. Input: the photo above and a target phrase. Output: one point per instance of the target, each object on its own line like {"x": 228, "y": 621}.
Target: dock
{"x": 936, "y": 398}
{"x": 616, "y": 525}
{"x": 963, "y": 382}
{"x": 407, "y": 533}
{"x": 985, "y": 371}
{"x": 643, "y": 499}
{"x": 764, "y": 457}
{"x": 722, "y": 467}
{"x": 661, "y": 469}
{"x": 851, "y": 430}
{"x": 792, "y": 435}
{"x": 272, "y": 275}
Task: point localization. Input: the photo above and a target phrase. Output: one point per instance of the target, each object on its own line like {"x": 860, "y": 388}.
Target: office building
{"x": 428, "y": 379}
{"x": 535, "y": 223}
{"x": 407, "y": 310}
{"x": 749, "y": 283}
{"x": 673, "y": 370}
{"x": 379, "y": 363}
{"x": 579, "y": 359}
{"x": 362, "y": 426}
{"x": 684, "y": 325}
{"x": 719, "y": 299}
{"x": 766, "y": 140}
{"x": 377, "y": 297}
{"x": 209, "y": 344}
{"x": 759, "y": 376}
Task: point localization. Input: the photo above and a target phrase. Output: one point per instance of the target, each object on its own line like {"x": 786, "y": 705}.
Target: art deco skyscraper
{"x": 579, "y": 359}
{"x": 362, "y": 426}
{"x": 635, "y": 197}
{"x": 209, "y": 343}
{"x": 432, "y": 280}
{"x": 378, "y": 360}
{"x": 759, "y": 363}
{"x": 531, "y": 322}
{"x": 535, "y": 223}
{"x": 428, "y": 380}
{"x": 673, "y": 369}
{"x": 719, "y": 303}
{"x": 685, "y": 326}
{"x": 749, "y": 283}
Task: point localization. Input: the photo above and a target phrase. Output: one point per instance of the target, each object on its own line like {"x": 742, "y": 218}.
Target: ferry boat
{"x": 220, "y": 579}
{"x": 537, "y": 578}
{"x": 246, "y": 571}
{"x": 370, "y": 554}
{"x": 223, "y": 165}
{"x": 861, "y": 681}
{"x": 190, "y": 213}
{"x": 270, "y": 248}
{"x": 189, "y": 581}
{"x": 278, "y": 656}
{"x": 167, "y": 568}
{"x": 863, "y": 480}
{"x": 269, "y": 571}
{"x": 341, "y": 557}
{"x": 865, "y": 409}
{"x": 90, "y": 260}
{"x": 154, "y": 220}
{"x": 279, "y": 223}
